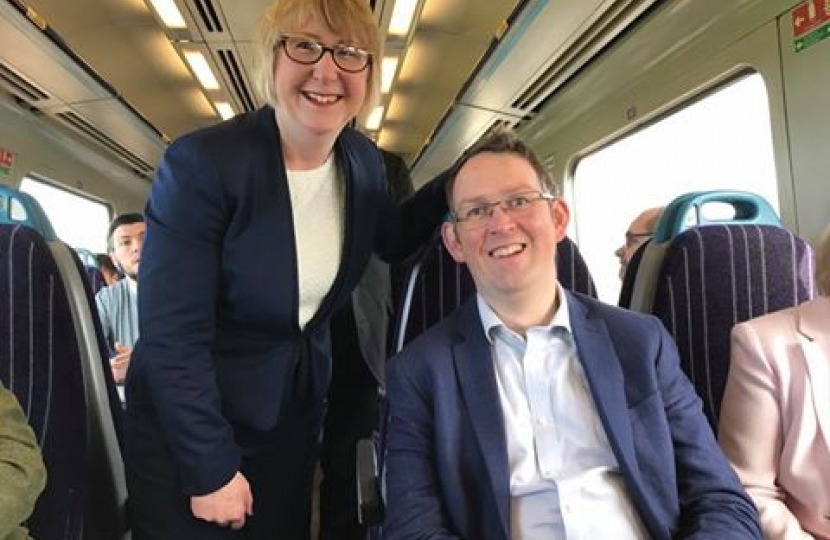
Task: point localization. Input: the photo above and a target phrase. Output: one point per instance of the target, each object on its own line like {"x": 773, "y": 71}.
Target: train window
{"x": 721, "y": 141}
{"x": 78, "y": 220}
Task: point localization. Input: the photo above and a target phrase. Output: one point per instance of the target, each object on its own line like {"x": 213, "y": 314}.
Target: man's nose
{"x": 500, "y": 218}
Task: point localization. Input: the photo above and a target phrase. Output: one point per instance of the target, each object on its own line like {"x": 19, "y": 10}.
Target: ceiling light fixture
{"x": 374, "y": 119}
{"x": 169, "y": 13}
{"x": 402, "y": 17}
{"x": 225, "y": 110}
{"x": 200, "y": 67}
{"x": 387, "y": 73}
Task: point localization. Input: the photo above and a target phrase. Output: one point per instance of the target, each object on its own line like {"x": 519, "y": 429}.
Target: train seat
{"x": 18, "y": 208}
{"x": 627, "y": 287}
{"x": 105, "y": 510}
{"x": 95, "y": 278}
{"x": 90, "y": 267}
{"x": 40, "y": 361}
{"x": 104, "y": 487}
{"x": 701, "y": 276}
{"x": 436, "y": 286}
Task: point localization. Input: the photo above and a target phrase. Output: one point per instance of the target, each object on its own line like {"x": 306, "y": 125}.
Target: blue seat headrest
{"x": 688, "y": 211}
{"x": 18, "y": 208}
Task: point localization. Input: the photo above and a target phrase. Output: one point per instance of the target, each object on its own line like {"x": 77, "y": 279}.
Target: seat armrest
{"x": 369, "y": 501}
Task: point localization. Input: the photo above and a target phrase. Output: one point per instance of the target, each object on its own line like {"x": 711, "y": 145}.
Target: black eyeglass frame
{"x": 323, "y": 49}
{"x": 489, "y": 207}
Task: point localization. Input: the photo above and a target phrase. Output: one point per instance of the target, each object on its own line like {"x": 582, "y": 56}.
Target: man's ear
{"x": 561, "y": 215}
{"x": 451, "y": 241}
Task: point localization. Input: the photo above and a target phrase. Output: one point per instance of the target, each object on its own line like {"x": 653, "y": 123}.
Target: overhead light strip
{"x": 402, "y": 17}
{"x": 388, "y": 67}
{"x": 199, "y": 65}
{"x": 225, "y": 110}
{"x": 375, "y": 118}
{"x": 169, "y": 13}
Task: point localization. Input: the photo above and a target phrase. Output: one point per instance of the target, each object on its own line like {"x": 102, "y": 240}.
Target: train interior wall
{"x": 681, "y": 51}
{"x": 35, "y": 146}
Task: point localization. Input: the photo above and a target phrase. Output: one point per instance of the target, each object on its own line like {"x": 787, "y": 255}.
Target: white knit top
{"x": 317, "y": 202}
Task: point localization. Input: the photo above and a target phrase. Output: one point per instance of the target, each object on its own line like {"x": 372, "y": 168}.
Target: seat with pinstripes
{"x": 19, "y": 208}
{"x": 715, "y": 275}
{"x": 104, "y": 488}
{"x": 40, "y": 362}
{"x": 437, "y": 286}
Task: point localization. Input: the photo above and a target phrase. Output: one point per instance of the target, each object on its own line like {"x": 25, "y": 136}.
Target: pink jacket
{"x": 775, "y": 418}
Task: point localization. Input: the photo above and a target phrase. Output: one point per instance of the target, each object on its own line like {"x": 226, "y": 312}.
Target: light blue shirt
{"x": 118, "y": 310}
{"x": 565, "y": 481}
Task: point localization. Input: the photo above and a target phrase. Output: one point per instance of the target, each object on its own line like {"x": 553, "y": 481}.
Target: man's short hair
{"x": 123, "y": 219}
{"x": 501, "y": 141}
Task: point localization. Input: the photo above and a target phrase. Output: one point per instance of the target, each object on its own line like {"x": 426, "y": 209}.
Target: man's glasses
{"x": 349, "y": 58}
{"x": 477, "y": 214}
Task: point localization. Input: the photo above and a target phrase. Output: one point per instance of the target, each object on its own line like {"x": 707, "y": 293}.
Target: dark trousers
{"x": 352, "y": 415}
{"x": 280, "y": 472}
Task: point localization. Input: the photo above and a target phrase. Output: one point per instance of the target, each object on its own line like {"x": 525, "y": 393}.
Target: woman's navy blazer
{"x": 220, "y": 348}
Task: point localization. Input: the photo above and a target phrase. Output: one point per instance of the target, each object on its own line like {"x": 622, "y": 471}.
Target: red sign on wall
{"x": 6, "y": 160}
{"x": 809, "y": 16}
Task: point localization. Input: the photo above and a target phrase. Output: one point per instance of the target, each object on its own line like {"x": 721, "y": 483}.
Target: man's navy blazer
{"x": 447, "y": 471}
{"x": 220, "y": 350}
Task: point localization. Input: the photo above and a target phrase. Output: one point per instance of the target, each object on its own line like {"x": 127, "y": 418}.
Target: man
{"x": 535, "y": 413}
{"x": 118, "y": 303}
{"x": 637, "y": 234}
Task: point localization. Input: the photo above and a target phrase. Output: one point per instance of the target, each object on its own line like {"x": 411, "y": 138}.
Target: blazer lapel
{"x": 813, "y": 318}
{"x": 605, "y": 380}
{"x": 476, "y": 376}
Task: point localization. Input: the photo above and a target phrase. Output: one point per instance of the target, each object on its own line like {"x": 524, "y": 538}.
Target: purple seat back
{"x": 437, "y": 285}
{"x": 40, "y": 362}
{"x": 95, "y": 278}
{"x": 715, "y": 276}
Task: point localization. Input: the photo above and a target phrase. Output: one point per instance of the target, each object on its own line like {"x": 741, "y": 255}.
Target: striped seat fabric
{"x": 95, "y": 278}
{"x": 436, "y": 286}
{"x": 715, "y": 276}
{"x": 40, "y": 363}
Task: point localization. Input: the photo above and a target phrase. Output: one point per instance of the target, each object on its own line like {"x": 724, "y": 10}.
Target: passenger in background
{"x": 775, "y": 415}
{"x": 257, "y": 229}
{"x": 638, "y": 233}
{"x": 359, "y": 331}
{"x": 533, "y": 412}
{"x": 107, "y": 268}
{"x": 118, "y": 303}
{"x": 22, "y": 472}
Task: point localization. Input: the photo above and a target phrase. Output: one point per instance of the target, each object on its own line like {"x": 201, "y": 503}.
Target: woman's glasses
{"x": 349, "y": 58}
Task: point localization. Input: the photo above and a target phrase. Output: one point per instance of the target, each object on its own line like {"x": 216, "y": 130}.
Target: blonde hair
{"x": 823, "y": 264}
{"x": 352, "y": 19}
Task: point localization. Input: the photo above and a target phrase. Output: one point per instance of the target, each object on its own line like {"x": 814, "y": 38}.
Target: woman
{"x": 257, "y": 229}
{"x": 775, "y": 417}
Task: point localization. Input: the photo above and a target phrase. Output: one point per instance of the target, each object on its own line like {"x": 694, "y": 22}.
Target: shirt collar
{"x": 131, "y": 283}
{"x": 490, "y": 321}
